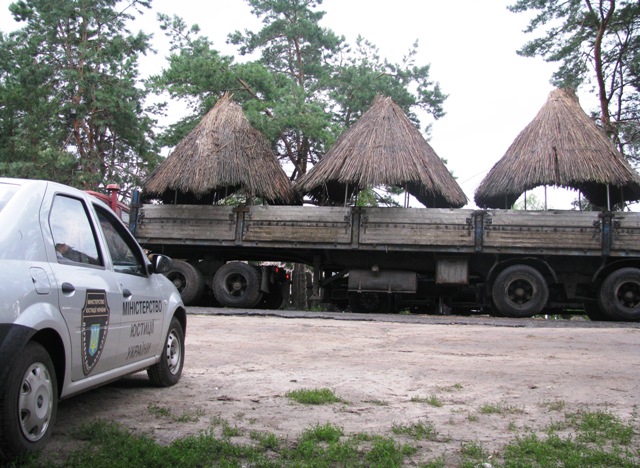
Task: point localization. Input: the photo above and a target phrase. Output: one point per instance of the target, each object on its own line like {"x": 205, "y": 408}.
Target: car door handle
{"x": 126, "y": 292}
{"x": 68, "y": 288}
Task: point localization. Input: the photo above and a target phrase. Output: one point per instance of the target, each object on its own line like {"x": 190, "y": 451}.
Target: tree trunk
{"x": 299, "y": 291}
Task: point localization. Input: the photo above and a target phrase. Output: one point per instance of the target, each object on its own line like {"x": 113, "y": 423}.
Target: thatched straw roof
{"x": 221, "y": 155}
{"x": 562, "y": 147}
{"x": 382, "y": 148}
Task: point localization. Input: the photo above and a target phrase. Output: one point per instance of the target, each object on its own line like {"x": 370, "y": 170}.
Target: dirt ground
{"x": 239, "y": 368}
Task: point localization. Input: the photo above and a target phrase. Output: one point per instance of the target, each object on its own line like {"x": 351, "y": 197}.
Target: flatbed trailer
{"x": 506, "y": 262}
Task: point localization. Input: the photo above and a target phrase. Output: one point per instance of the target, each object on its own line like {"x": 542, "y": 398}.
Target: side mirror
{"x": 160, "y": 263}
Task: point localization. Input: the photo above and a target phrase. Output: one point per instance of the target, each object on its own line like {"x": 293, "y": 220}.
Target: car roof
{"x": 23, "y": 183}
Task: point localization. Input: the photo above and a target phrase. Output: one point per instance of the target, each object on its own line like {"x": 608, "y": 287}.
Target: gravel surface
{"x": 240, "y": 365}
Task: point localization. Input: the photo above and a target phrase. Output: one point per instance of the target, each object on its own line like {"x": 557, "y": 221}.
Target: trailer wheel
{"x": 595, "y": 313}
{"x": 188, "y": 281}
{"x": 368, "y": 302}
{"x": 29, "y": 404}
{"x": 520, "y": 291}
{"x": 237, "y": 284}
{"x": 620, "y": 294}
{"x": 274, "y": 300}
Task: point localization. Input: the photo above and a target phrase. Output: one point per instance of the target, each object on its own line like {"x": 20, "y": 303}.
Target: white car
{"x": 80, "y": 305}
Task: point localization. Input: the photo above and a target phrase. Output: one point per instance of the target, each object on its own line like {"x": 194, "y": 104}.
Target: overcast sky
{"x": 471, "y": 47}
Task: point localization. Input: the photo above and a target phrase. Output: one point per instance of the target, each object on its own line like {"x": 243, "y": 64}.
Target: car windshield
{"x": 6, "y": 192}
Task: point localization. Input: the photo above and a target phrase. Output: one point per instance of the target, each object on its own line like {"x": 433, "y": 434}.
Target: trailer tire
{"x": 620, "y": 295}
{"x": 274, "y": 300}
{"x": 188, "y": 281}
{"x": 237, "y": 284}
{"x": 595, "y": 313}
{"x": 368, "y": 302}
{"x": 520, "y": 291}
{"x": 29, "y": 404}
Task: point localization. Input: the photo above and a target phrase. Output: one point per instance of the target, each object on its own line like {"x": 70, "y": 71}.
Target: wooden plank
{"x": 626, "y": 233}
{"x": 542, "y": 230}
{"x": 298, "y": 225}
{"x": 185, "y": 222}
{"x": 417, "y": 226}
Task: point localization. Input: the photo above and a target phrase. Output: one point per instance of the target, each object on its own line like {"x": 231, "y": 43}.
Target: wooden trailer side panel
{"x": 445, "y": 228}
{"x": 301, "y": 225}
{"x": 626, "y": 234}
{"x": 179, "y": 223}
{"x": 542, "y": 231}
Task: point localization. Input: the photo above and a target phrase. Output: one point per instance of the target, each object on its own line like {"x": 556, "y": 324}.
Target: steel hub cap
{"x": 35, "y": 403}
{"x": 629, "y": 295}
{"x": 173, "y": 353}
{"x": 520, "y": 292}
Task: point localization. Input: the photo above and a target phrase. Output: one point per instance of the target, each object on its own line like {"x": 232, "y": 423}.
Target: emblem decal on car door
{"x": 95, "y": 324}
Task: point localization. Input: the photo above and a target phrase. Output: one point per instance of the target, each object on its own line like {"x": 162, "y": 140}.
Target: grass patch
{"x": 451, "y": 388}
{"x": 499, "y": 408}
{"x": 473, "y": 455}
{"x": 109, "y": 445}
{"x": 226, "y": 429}
{"x": 418, "y": 431}
{"x": 314, "y": 396}
{"x": 377, "y": 402}
{"x": 600, "y": 427}
{"x": 598, "y": 438}
{"x": 432, "y": 400}
{"x": 555, "y": 405}
{"x": 159, "y": 411}
{"x": 587, "y": 439}
{"x": 266, "y": 440}
{"x": 163, "y": 412}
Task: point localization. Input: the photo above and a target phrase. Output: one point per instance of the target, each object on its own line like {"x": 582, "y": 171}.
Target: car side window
{"x": 73, "y": 236}
{"x": 125, "y": 256}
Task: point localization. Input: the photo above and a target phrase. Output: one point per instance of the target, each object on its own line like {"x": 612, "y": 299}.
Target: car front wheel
{"x": 168, "y": 370}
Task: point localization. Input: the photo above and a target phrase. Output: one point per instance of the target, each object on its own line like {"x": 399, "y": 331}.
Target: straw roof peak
{"x": 221, "y": 155}
{"x": 383, "y": 148}
{"x": 561, "y": 147}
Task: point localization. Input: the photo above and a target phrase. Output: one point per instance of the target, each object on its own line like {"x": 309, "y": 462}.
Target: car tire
{"x": 168, "y": 370}
{"x": 237, "y": 284}
{"x": 29, "y": 404}
{"x": 188, "y": 281}
{"x": 520, "y": 291}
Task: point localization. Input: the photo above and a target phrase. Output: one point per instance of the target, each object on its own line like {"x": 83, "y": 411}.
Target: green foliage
{"x": 421, "y": 430}
{"x": 473, "y": 454}
{"x": 555, "y": 405}
{"x": 500, "y": 408}
{"x": 432, "y": 400}
{"x": 599, "y": 439}
{"x": 164, "y": 412}
{"x": 365, "y": 74}
{"x": 267, "y": 441}
{"x": 533, "y": 203}
{"x": 586, "y": 438}
{"x": 322, "y": 433}
{"x": 596, "y": 44}
{"x": 305, "y": 88}
{"x": 378, "y": 196}
{"x": 601, "y": 425}
{"x": 72, "y": 105}
{"x": 318, "y": 396}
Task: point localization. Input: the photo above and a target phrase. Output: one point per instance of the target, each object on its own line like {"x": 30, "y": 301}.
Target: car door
{"x": 89, "y": 295}
{"x": 143, "y": 303}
